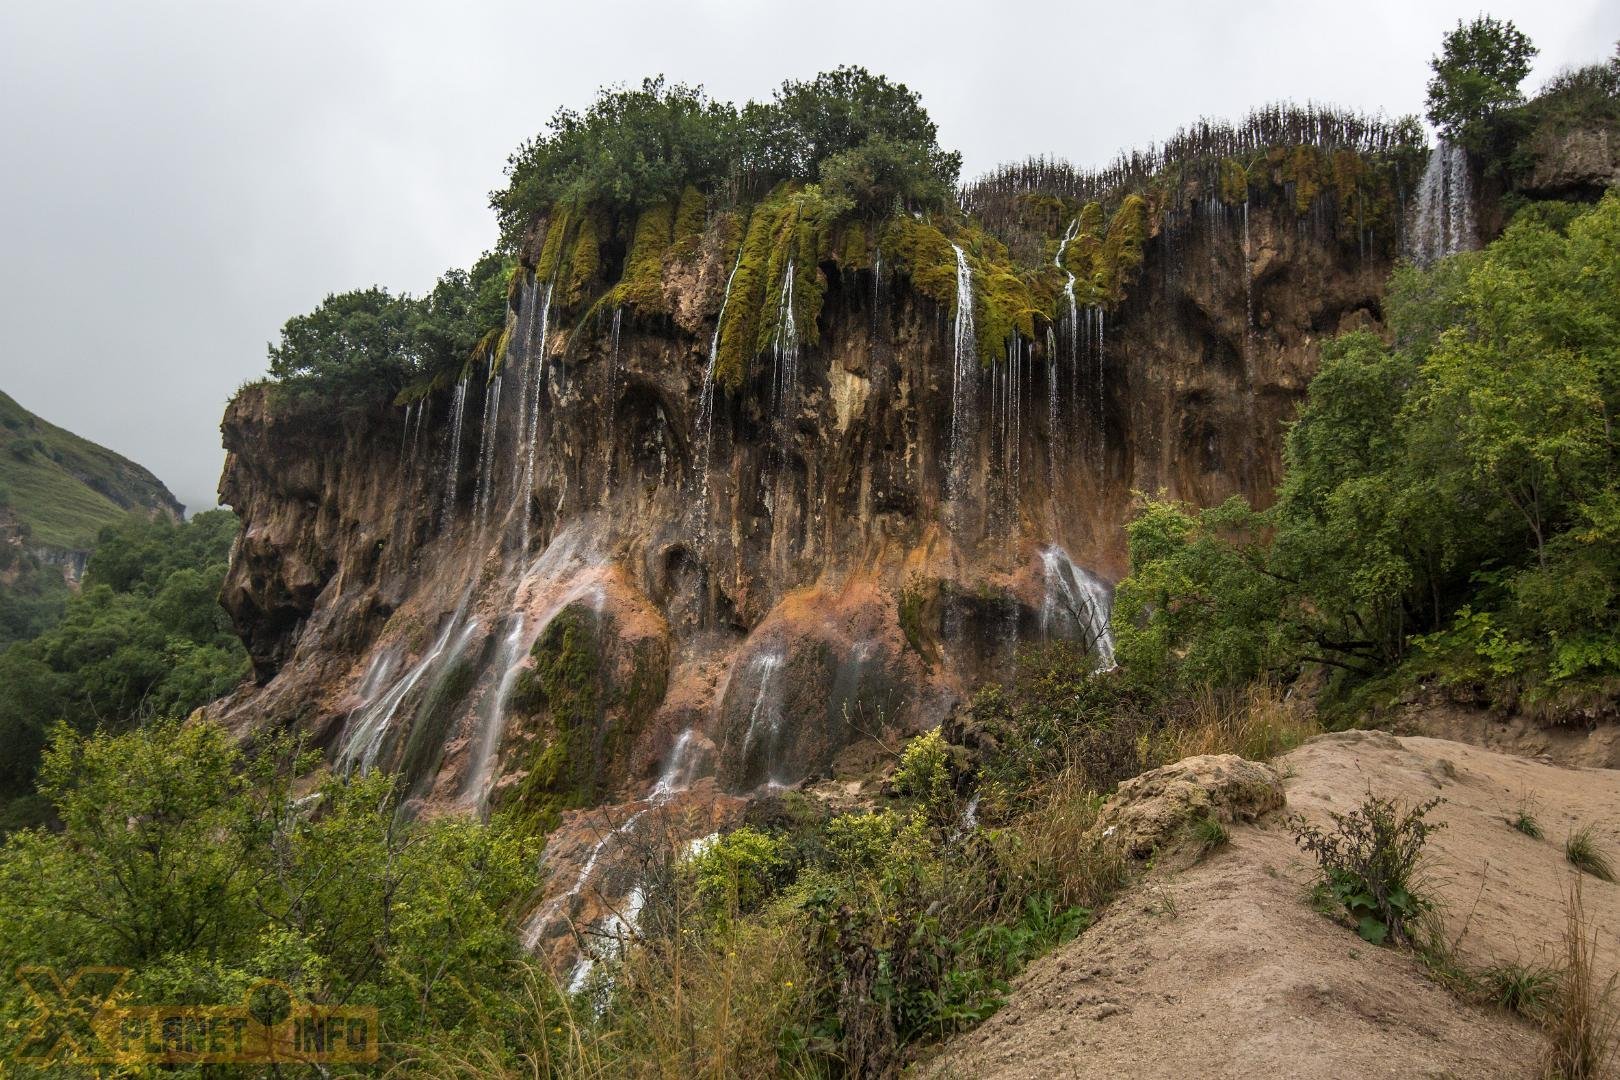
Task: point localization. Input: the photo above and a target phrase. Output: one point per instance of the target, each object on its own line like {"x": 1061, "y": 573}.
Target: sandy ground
{"x": 1224, "y": 970}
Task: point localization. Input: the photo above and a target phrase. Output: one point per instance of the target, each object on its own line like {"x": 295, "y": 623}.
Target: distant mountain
{"x": 58, "y": 490}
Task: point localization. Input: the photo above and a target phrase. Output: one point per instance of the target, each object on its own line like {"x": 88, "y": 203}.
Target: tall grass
{"x": 1583, "y": 1017}
{"x": 1259, "y": 723}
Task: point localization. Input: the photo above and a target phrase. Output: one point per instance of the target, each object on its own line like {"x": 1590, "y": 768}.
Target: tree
{"x": 1477, "y": 74}
{"x": 356, "y": 345}
{"x": 1449, "y": 506}
{"x": 194, "y": 865}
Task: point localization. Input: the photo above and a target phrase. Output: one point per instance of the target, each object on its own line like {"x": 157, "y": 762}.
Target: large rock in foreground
{"x": 1150, "y": 812}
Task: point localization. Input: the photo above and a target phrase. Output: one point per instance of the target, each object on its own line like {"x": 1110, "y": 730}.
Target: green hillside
{"x": 65, "y": 489}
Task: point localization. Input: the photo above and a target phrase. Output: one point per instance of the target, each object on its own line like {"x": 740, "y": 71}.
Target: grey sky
{"x": 180, "y": 176}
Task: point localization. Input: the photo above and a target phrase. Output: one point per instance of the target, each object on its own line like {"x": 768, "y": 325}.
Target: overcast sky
{"x": 180, "y": 176}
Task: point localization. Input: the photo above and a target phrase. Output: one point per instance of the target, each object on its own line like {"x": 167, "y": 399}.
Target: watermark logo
{"x": 83, "y": 1020}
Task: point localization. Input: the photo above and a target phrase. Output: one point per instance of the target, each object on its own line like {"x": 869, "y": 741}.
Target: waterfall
{"x": 452, "y": 474}
{"x": 964, "y": 374}
{"x": 785, "y": 347}
{"x": 680, "y": 769}
{"x": 366, "y": 730}
{"x": 405, "y": 435}
{"x": 612, "y": 398}
{"x": 1102, "y": 393}
{"x": 765, "y": 715}
{"x": 1052, "y": 433}
{"x": 1443, "y": 217}
{"x": 705, "y": 417}
{"x": 534, "y": 377}
{"x": 487, "y": 446}
{"x": 492, "y": 723}
{"x": 1077, "y": 603}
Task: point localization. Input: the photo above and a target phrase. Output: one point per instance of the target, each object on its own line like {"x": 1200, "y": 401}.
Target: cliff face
{"x": 574, "y": 584}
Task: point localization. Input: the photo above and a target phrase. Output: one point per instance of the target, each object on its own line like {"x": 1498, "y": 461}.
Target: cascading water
{"x": 680, "y": 769}
{"x": 366, "y": 730}
{"x": 612, "y": 399}
{"x": 765, "y": 714}
{"x": 1076, "y": 604}
{"x": 1443, "y": 217}
{"x": 487, "y": 445}
{"x": 492, "y": 719}
{"x": 785, "y": 348}
{"x": 964, "y": 374}
{"x": 705, "y": 417}
{"x": 452, "y": 457}
{"x": 534, "y": 377}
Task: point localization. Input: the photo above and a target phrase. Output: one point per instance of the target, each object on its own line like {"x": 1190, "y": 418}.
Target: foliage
{"x": 145, "y": 636}
{"x": 196, "y": 867}
{"x": 631, "y": 148}
{"x": 365, "y": 346}
{"x": 924, "y": 772}
{"x": 33, "y": 600}
{"x": 1449, "y": 502}
{"x": 1370, "y": 860}
{"x": 1477, "y": 73}
{"x": 734, "y": 874}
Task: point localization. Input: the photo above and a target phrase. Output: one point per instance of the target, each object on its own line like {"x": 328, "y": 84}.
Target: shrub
{"x": 924, "y": 772}
{"x": 739, "y": 871}
{"x": 1369, "y": 861}
{"x": 1519, "y": 989}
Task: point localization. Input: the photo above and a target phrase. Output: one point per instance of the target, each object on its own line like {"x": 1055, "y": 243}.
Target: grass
{"x": 1258, "y": 723}
{"x": 1524, "y": 820}
{"x": 1519, "y": 988}
{"x": 65, "y": 489}
{"x": 1209, "y": 835}
{"x": 1582, "y": 1018}
{"x": 1583, "y": 853}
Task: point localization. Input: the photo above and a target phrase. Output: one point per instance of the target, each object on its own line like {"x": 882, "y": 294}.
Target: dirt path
{"x": 1223, "y": 970}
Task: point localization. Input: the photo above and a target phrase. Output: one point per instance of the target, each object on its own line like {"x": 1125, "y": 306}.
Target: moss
{"x": 1232, "y": 182}
{"x": 921, "y": 252}
{"x": 918, "y": 602}
{"x": 691, "y": 214}
{"x": 563, "y": 690}
{"x": 1122, "y": 248}
{"x": 855, "y": 248}
{"x": 584, "y": 263}
{"x": 551, "y": 252}
{"x": 642, "y": 286}
{"x": 792, "y": 227}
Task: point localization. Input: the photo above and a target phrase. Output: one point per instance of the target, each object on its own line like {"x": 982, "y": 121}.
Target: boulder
{"x": 1151, "y": 811}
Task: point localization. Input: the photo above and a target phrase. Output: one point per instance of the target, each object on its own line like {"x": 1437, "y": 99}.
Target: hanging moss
{"x": 583, "y": 264}
{"x": 551, "y": 252}
{"x": 642, "y": 286}
{"x": 921, "y": 252}
{"x": 854, "y": 248}
{"x": 1233, "y": 182}
{"x": 691, "y": 214}
{"x": 791, "y": 227}
{"x": 1122, "y": 249}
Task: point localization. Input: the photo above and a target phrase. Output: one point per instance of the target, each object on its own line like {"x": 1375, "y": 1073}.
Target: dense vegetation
{"x": 144, "y": 637}
{"x": 1449, "y": 504}
{"x": 199, "y": 870}
{"x": 62, "y": 489}
{"x": 1476, "y": 76}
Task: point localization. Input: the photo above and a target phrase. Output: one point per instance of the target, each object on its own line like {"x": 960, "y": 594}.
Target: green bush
{"x": 1370, "y": 860}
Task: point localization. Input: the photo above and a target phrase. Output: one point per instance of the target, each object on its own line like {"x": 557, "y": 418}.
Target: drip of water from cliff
{"x": 452, "y": 457}
{"x": 1052, "y": 431}
{"x": 785, "y": 348}
{"x": 534, "y": 376}
{"x": 680, "y": 769}
{"x": 765, "y": 714}
{"x": 405, "y": 435}
{"x": 607, "y": 941}
{"x": 964, "y": 374}
{"x": 612, "y": 399}
{"x": 705, "y": 417}
{"x": 492, "y": 719}
{"x": 1443, "y": 217}
{"x": 366, "y": 732}
{"x": 1076, "y": 604}
{"x": 487, "y": 447}
{"x": 554, "y": 906}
